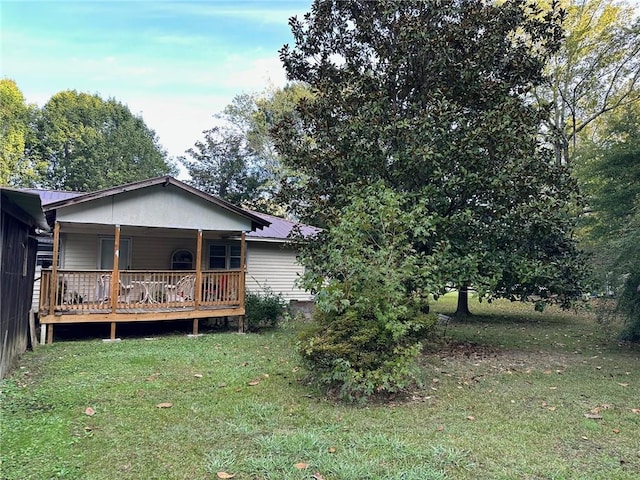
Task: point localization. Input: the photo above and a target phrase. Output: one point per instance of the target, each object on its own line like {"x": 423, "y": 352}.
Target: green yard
{"x": 506, "y": 395}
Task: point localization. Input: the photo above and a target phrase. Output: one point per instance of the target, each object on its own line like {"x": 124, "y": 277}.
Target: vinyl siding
{"x": 275, "y": 266}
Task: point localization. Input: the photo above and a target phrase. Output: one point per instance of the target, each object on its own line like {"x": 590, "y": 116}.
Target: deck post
{"x": 243, "y": 279}
{"x": 115, "y": 277}
{"x": 195, "y": 327}
{"x": 198, "y": 286}
{"x": 54, "y": 268}
{"x": 50, "y": 333}
{"x": 113, "y": 331}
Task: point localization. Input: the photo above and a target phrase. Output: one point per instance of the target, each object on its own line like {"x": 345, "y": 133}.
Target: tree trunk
{"x": 462, "y": 310}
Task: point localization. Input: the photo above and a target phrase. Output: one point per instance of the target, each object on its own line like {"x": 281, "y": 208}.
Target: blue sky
{"x": 176, "y": 63}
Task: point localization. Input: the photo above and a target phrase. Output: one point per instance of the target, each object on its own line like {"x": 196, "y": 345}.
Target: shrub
{"x": 370, "y": 318}
{"x": 263, "y": 309}
{"x": 356, "y": 356}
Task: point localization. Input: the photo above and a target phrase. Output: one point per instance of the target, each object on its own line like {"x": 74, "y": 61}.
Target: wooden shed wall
{"x": 17, "y": 268}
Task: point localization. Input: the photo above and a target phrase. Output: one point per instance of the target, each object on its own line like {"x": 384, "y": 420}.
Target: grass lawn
{"x": 506, "y": 395}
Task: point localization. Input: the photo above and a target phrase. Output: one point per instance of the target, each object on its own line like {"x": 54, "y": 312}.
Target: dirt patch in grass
{"x": 503, "y": 359}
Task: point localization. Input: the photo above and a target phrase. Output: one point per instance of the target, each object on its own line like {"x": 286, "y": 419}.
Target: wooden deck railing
{"x": 90, "y": 290}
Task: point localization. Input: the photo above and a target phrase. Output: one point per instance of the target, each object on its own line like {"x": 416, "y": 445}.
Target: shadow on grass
{"x": 164, "y": 328}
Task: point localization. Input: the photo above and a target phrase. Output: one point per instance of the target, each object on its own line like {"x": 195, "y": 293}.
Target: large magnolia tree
{"x": 425, "y": 101}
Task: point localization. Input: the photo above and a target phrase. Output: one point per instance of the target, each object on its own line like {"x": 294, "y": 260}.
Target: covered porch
{"x": 112, "y": 296}
{"x": 149, "y": 251}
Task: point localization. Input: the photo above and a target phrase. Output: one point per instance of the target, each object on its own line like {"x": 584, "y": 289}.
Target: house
{"x": 21, "y": 216}
{"x": 165, "y": 249}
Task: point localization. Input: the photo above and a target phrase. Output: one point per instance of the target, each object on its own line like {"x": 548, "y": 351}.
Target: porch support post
{"x": 195, "y": 327}
{"x": 113, "y": 331}
{"x": 54, "y": 268}
{"x": 49, "y": 332}
{"x": 198, "y": 289}
{"x": 243, "y": 276}
{"x": 115, "y": 277}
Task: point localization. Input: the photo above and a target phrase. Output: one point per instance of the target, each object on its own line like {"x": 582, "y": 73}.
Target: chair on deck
{"x": 104, "y": 290}
{"x": 183, "y": 290}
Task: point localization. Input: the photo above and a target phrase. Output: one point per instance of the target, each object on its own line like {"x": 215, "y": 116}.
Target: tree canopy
{"x": 237, "y": 159}
{"x": 428, "y": 99}
{"x": 88, "y": 143}
{"x": 15, "y": 129}
{"x": 596, "y": 70}
{"x": 609, "y": 169}
{"x": 221, "y": 165}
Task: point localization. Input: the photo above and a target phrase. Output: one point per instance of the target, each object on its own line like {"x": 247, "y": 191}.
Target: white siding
{"x": 35, "y": 301}
{"x": 276, "y": 266}
{"x": 79, "y": 251}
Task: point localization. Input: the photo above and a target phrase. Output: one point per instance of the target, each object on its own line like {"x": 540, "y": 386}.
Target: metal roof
{"x": 52, "y": 196}
{"x": 280, "y": 229}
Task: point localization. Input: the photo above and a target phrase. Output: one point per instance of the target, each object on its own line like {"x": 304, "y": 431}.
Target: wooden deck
{"x": 142, "y": 296}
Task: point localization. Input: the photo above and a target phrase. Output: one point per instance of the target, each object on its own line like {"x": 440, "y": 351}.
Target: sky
{"x": 175, "y": 63}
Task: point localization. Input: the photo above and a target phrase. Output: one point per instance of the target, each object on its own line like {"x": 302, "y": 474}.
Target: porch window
{"x": 105, "y": 257}
{"x": 44, "y": 256}
{"x": 182, "y": 260}
{"x": 224, "y": 256}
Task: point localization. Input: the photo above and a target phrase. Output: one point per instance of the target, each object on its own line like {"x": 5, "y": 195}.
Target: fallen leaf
{"x": 332, "y": 450}
{"x": 593, "y": 416}
{"x": 635, "y": 410}
{"x": 301, "y": 465}
{"x": 198, "y": 375}
{"x": 439, "y": 428}
{"x": 164, "y": 405}
{"x": 551, "y": 409}
{"x": 615, "y": 430}
{"x": 225, "y": 475}
{"x": 253, "y": 383}
{"x": 89, "y": 411}
{"x": 623, "y": 384}
{"x": 317, "y": 476}
{"x": 471, "y": 418}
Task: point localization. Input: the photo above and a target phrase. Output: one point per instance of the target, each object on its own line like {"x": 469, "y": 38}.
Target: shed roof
{"x": 28, "y": 202}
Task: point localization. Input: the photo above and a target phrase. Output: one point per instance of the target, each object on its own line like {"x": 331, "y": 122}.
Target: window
{"x": 182, "y": 260}
{"x": 224, "y": 256}
{"x": 44, "y": 256}
{"x": 105, "y": 258}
